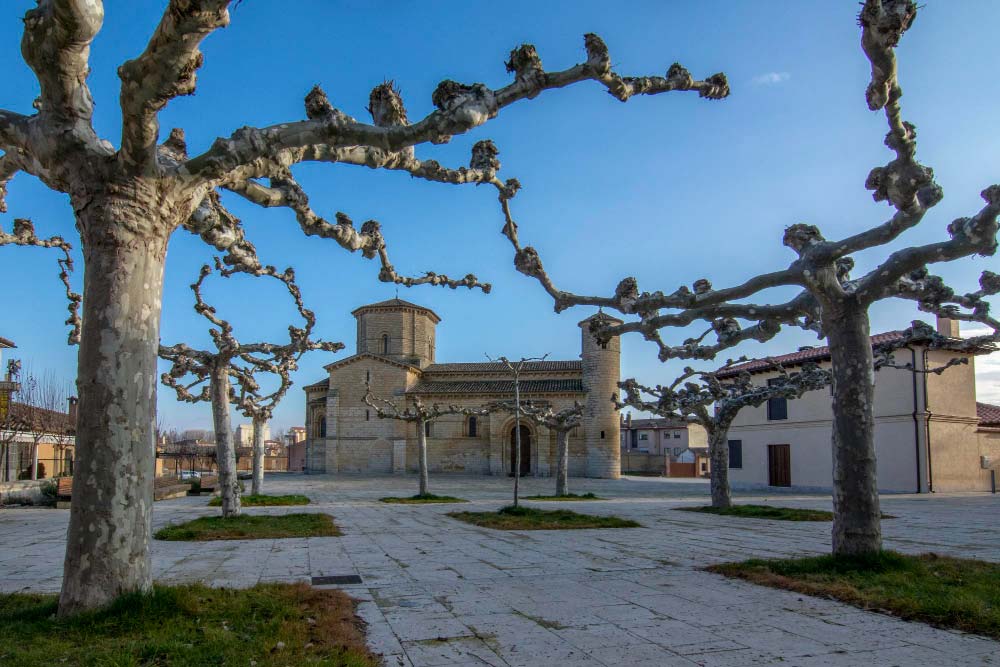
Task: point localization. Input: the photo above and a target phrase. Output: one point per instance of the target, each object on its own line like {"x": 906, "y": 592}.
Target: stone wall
{"x": 601, "y": 424}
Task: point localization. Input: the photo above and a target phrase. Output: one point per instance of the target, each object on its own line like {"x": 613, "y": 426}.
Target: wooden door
{"x": 525, "y": 449}
{"x": 779, "y": 465}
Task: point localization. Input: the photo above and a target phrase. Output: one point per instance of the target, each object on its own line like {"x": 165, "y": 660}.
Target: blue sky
{"x": 669, "y": 188}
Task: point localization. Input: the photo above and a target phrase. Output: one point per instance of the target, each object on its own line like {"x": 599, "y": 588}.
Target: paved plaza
{"x": 437, "y": 591}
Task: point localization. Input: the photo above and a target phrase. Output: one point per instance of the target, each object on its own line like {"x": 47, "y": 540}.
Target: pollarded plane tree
{"x": 129, "y": 199}
{"x": 251, "y": 401}
{"x": 515, "y": 368}
{"x": 421, "y": 416}
{"x": 713, "y": 403}
{"x": 562, "y": 422}
{"x": 259, "y": 407}
{"x": 213, "y": 370}
{"x": 831, "y": 302}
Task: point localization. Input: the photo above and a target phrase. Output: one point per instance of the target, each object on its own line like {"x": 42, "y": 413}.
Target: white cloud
{"x": 770, "y": 78}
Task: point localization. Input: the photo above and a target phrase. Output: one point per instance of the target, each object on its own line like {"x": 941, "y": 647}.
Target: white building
{"x": 930, "y": 433}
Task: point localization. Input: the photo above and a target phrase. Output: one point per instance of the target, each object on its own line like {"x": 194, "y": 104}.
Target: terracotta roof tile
{"x": 498, "y": 367}
{"x": 809, "y": 354}
{"x": 656, "y": 423}
{"x": 499, "y": 387}
{"x": 989, "y": 415}
{"x": 395, "y": 303}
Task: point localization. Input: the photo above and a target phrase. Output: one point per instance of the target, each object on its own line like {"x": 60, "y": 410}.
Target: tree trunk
{"x": 718, "y": 451}
{"x": 225, "y": 451}
{"x": 856, "y": 522}
{"x": 422, "y": 456}
{"x": 107, "y": 543}
{"x": 258, "y": 457}
{"x": 562, "y": 464}
{"x": 34, "y": 461}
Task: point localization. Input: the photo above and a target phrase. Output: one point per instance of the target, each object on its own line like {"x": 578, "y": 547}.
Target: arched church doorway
{"x": 525, "y": 449}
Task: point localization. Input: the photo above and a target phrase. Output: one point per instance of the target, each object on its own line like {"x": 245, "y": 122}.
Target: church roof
{"x": 390, "y": 304}
{"x": 368, "y": 355}
{"x": 497, "y": 367}
{"x": 499, "y": 387}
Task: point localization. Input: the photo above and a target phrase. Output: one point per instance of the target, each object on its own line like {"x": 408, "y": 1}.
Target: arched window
{"x": 473, "y": 427}
{"x": 385, "y": 344}
{"x": 322, "y": 427}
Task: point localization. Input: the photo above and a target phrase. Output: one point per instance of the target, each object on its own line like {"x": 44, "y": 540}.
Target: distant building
{"x": 660, "y": 436}
{"x": 396, "y": 355}
{"x": 33, "y": 438}
{"x": 930, "y": 433}
{"x": 243, "y": 435}
{"x": 295, "y": 447}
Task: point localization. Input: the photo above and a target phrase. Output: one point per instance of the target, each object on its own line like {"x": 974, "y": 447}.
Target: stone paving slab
{"x": 437, "y": 591}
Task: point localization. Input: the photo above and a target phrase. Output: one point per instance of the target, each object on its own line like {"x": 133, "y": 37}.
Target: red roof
{"x": 989, "y": 415}
{"x": 803, "y": 355}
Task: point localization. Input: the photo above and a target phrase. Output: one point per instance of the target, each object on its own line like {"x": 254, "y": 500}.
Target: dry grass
{"x": 251, "y": 527}
{"x": 262, "y": 500}
{"x": 421, "y": 499}
{"x": 269, "y": 625}
{"x": 529, "y": 518}
{"x": 946, "y": 592}
{"x": 568, "y": 496}
{"x": 764, "y": 512}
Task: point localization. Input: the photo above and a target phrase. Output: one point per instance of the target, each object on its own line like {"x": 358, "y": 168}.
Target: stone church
{"x": 396, "y": 355}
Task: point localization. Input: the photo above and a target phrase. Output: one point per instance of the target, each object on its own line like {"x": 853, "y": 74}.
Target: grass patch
{"x": 262, "y": 500}
{"x": 764, "y": 512}
{"x": 568, "y": 496}
{"x": 529, "y": 518}
{"x": 188, "y": 626}
{"x": 421, "y": 499}
{"x": 768, "y": 512}
{"x": 250, "y": 527}
{"x": 946, "y": 592}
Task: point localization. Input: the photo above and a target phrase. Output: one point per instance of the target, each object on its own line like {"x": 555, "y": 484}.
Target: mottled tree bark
{"x": 422, "y": 456}
{"x": 107, "y": 545}
{"x": 257, "y": 486}
{"x": 856, "y": 525}
{"x": 718, "y": 451}
{"x": 225, "y": 451}
{"x": 562, "y": 464}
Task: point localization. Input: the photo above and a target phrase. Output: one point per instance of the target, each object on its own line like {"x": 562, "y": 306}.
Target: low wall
{"x": 643, "y": 462}
{"x": 26, "y": 492}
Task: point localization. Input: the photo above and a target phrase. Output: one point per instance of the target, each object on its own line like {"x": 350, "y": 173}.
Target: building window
{"x": 385, "y": 344}
{"x": 644, "y": 436}
{"x": 677, "y": 436}
{"x": 735, "y": 453}
{"x": 777, "y": 408}
{"x": 322, "y": 427}
{"x": 473, "y": 427}
{"x": 368, "y": 376}
{"x": 602, "y": 435}
{"x": 368, "y": 415}
{"x": 427, "y": 429}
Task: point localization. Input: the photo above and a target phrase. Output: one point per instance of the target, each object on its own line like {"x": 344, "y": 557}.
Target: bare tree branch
{"x": 460, "y": 108}
{"x": 288, "y": 193}
{"x": 56, "y": 45}
{"x": 24, "y": 235}
{"x": 165, "y": 70}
